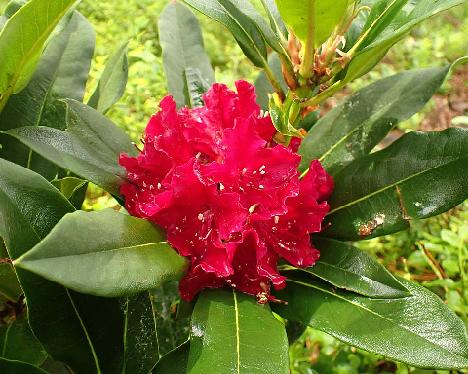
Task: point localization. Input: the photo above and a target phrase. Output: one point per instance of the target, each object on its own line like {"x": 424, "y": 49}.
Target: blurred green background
{"x": 433, "y": 252}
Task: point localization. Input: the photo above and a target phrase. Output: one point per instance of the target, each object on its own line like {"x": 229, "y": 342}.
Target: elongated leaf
{"x": 90, "y": 146}
{"x": 244, "y": 29}
{"x": 266, "y": 29}
{"x": 418, "y": 176}
{"x": 113, "y": 255}
{"x": 22, "y": 40}
{"x": 29, "y": 208}
{"x": 113, "y": 80}
{"x": 18, "y": 367}
{"x": 300, "y": 15}
{"x": 383, "y": 14}
{"x": 346, "y": 266}
{"x": 140, "y": 337}
{"x": 175, "y": 362}
{"x": 419, "y": 329}
{"x": 17, "y": 342}
{"x": 356, "y": 126}
{"x": 231, "y": 333}
{"x": 185, "y": 61}
{"x": 391, "y": 27}
{"x": 62, "y": 72}
{"x": 276, "y": 22}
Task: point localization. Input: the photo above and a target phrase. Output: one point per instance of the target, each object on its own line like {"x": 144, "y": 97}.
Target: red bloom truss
{"x": 228, "y": 196}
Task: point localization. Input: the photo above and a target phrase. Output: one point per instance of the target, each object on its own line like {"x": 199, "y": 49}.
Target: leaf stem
{"x": 307, "y": 66}
{"x": 317, "y": 99}
{"x": 274, "y": 82}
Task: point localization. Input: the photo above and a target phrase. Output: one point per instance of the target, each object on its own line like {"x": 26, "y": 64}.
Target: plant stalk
{"x": 274, "y": 82}
{"x": 308, "y": 59}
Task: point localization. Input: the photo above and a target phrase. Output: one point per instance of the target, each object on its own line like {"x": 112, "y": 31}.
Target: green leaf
{"x": 263, "y": 87}
{"x": 419, "y": 330}
{"x": 18, "y": 367}
{"x": 346, "y": 266}
{"x": 231, "y": 333}
{"x": 90, "y": 146}
{"x": 300, "y": 15}
{"x": 62, "y": 72}
{"x": 172, "y": 328}
{"x": 11, "y": 8}
{"x": 276, "y": 22}
{"x": 17, "y": 342}
{"x": 175, "y": 362}
{"x": 22, "y": 40}
{"x": 236, "y": 17}
{"x": 188, "y": 69}
{"x": 9, "y": 285}
{"x": 29, "y": 208}
{"x": 74, "y": 189}
{"x": 141, "y": 345}
{"x": 356, "y": 126}
{"x": 418, "y": 176}
{"x": 111, "y": 85}
{"x": 113, "y": 255}
{"x": 391, "y": 26}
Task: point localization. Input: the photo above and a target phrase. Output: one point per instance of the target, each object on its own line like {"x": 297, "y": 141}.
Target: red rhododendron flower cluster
{"x": 228, "y": 196}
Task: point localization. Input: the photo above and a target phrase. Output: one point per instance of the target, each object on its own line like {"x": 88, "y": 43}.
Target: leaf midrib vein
{"x": 98, "y": 252}
{"x": 396, "y": 183}
{"x": 236, "y": 310}
{"x": 375, "y": 314}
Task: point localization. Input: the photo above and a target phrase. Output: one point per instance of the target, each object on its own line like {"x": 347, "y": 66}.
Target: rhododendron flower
{"x": 228, "y": 196}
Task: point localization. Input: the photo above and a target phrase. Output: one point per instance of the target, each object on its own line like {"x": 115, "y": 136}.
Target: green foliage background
{"x": 433, "y": 252}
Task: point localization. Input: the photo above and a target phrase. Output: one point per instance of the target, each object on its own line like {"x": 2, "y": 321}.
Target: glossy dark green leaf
{"x": 113, "y": 255}
{"x": 419, "y": 329}
{"x": 74, "y": 189}
{"x": 175, "y": 362}
{"x": 231, "y": 333}
{"x": 237, "y": 18}
{"x": 382, "y": 14}
{"x": 395, "y": 21}
{"x": 420, "y": 175}
{"x": 172, "y": 329}
{"x": 141, "y": 343}
{"x": 22, "y": 40}
{"x": 90, "y": 146}
{"x": 29, "y": 208}
{"x": 18, "y": 367}
{"x": 62, "y": 72}
{"x": 346, "y": 266}
{"x": 188, "y": 69}
{"x": 301, "y": 15}
{"x": 355, "y": 127}
{"x": 17, "y": 342}
{"x": 111, "y": 85}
